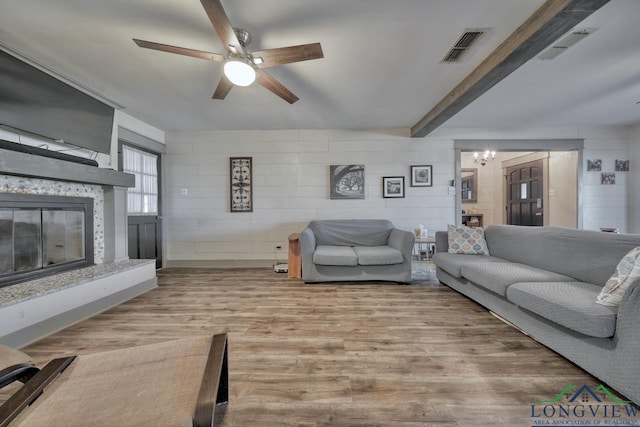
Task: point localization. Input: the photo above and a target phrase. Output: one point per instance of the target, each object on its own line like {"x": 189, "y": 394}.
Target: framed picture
{"x": 346, "y": 182}
{"x": 421, "y": 176}
{"x": 622, "y": 165}
{"x": 392, "y": 187}
{"x": 594, "y": 165}
{"x": 241, "y": 184}
{"x": 608, "y": 178}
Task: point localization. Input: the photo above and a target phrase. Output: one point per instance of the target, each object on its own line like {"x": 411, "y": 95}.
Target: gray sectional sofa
{"x": 545, "y": 281}
{"x": 355, "y": 250}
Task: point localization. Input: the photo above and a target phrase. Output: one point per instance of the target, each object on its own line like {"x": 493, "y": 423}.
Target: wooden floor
{"x": 338, "y": 355}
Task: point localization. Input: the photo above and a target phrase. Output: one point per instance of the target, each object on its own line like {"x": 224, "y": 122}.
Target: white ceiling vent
{"x": 566, "y": 42}
{"x": 464, "y": 43}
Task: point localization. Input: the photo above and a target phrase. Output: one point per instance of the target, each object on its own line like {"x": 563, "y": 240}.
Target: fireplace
{"x": 42, "y": 235}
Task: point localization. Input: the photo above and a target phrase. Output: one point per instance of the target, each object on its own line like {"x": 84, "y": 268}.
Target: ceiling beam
{"x": 547, "y": 24}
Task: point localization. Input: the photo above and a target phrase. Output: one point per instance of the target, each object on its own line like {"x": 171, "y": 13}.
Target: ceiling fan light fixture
{"x": 239, "y": 72}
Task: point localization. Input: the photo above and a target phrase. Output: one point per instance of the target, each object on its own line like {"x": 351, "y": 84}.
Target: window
{"x": 143, "y": 198}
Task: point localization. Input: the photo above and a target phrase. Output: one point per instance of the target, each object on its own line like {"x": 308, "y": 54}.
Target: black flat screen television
{"x": 36, "y": 102}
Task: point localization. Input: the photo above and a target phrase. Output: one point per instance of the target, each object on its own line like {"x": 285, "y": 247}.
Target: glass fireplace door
{"x": 20, "y": 240}
{"x": 36, "y": 241}
{"x": 63, "y": 237}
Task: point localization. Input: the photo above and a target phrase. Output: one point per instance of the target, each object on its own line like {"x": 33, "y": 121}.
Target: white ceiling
{"x": 381, "y": 68}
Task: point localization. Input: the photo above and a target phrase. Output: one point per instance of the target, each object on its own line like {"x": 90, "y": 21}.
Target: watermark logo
{"x": 585, "y": 406}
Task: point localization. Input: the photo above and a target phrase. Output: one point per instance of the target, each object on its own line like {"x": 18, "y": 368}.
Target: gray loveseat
{"x": 545, "y": 281}
{"x": 355, "y": 250}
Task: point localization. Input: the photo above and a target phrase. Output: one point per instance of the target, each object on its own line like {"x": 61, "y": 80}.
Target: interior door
{"x": 143, "y": 203}
{"x": 525, "y": 194}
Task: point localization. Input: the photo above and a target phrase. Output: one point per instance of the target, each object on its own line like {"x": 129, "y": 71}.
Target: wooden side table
{"x": 295, "y": 259}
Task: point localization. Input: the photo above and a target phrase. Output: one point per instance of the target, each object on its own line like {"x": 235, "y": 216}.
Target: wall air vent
{"x": 566, "y": 42}
{"x": 464, "y": 43}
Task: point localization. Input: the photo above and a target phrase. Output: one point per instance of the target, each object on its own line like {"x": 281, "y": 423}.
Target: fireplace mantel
{"x": 28, "y": 165}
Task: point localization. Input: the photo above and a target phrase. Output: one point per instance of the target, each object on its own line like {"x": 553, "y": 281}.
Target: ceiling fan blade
{"x": 223, "y": 88}
{"x": 266, "y": 80}
{"x": 287, "y": 55}
{"x": 180, "y": 50}
{"x": 222, "y": 25}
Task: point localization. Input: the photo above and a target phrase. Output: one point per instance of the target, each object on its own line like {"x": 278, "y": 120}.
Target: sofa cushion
{"x": 497, "y": 276}
{"x": 352, "y": 232}
{"x": 335, "y": 255}
{"x": 377, "y": 255}
{"x": 452, "y": 263}
{"x": 570, "y": 304}
{"x": 588, "y": 256}
{"x": 627, "y": 270}
{"x": 467, "y": 240}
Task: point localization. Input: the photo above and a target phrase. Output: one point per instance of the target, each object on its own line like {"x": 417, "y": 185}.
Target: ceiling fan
{"x": 241, "y": 66}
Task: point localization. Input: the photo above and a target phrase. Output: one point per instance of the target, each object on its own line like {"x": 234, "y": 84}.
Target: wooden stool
{"x": 174, "y": 383}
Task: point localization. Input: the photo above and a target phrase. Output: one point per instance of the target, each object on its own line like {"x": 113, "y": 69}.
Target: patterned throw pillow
{"x": 467, "y": 240}
{"x": 627, "y": 271}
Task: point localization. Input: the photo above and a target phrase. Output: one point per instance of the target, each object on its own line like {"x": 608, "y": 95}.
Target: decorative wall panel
{"x": 241, "y": 184}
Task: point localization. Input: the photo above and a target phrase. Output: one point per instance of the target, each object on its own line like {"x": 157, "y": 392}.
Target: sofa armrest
{"x": 307, "y": 242}
{"x": 442, "y": 241}
{"x": 629, "y": 313}
{"x": 626, "y": 341}
{"x": 307, "y": 248}
{"x": 402, "y": 241}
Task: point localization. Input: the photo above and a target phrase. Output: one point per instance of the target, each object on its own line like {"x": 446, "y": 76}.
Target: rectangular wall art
{"x": 241, "y": 182}
{"x": 392, "y": 187}
{"x": 622, "y": 165}
{"x": 346, "y": 182}
{"x": 421, "y": 176}
{"x": 608, "y": 178}
{"x": 594, "y": 165}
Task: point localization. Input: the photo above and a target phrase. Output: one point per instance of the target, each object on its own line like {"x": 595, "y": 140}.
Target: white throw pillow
{"x": 467, "y": 240}
{"x": 627, "y": 271}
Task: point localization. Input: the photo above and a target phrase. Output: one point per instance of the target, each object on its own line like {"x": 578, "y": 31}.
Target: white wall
{"x": 291, "y": 181}
{"x": 291, "y": 187}
{"x": 607, "y": 205}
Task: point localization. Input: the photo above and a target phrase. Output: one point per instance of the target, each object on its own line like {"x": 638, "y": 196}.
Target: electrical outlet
{"x": 452, "y": 191}
{"x": 183, "y": 191}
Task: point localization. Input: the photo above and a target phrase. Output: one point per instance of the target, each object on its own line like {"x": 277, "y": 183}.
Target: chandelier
{"x": 484, "y": 158}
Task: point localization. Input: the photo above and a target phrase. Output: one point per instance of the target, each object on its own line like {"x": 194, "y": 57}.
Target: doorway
{"x": 144, "y": 216}
{"x": 561, "y": 184}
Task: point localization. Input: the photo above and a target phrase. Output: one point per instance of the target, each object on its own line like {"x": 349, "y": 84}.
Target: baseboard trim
{"x": 222, "y": 263}
{"x": 37, "y": 331}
